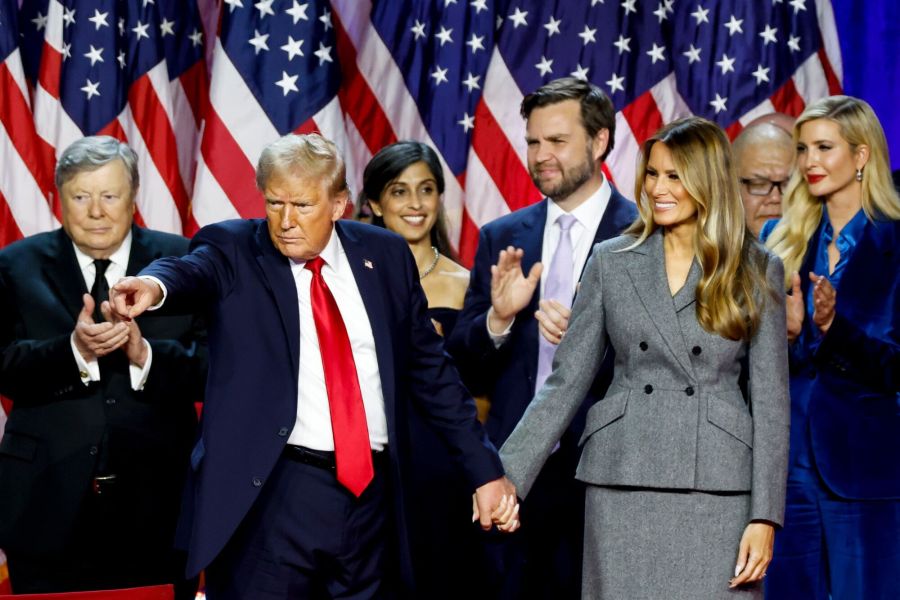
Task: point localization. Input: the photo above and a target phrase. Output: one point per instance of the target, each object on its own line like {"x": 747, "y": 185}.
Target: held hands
{"x": 824, "y": 301}
{"x": 131, "y": 296}
{"x": 511, "y": 291}
{"x": 794, "y": 308}
{"x": 553, "y": 320}
{"x": 94, "y": 340}
{"x": 495, "y": 502}
{"x": 754, "y": 554}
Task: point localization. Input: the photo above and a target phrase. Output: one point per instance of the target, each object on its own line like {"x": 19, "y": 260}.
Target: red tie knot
{"x": 315, "y": 265}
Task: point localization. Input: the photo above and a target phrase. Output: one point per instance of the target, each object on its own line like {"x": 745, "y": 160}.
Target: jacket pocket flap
{"x": 730, "y": 419}
{"x": 19, "y": 446}
{"x": 603, "y": 413}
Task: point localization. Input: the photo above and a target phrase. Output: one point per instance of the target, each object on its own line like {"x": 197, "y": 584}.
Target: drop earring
{"x": 859, "y": 174}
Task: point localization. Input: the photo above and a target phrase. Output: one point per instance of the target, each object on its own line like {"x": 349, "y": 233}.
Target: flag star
{"x": 95, "y": 55}
{"x": 324, "y": 54}
{"x": 467, "y": 122}
{"x": 656, "y": 53}
{"x": 475, "y": 43}
{"x": 146, "y": 2}
{"x": 326, "y": 19}
{"x": 418, "y": 30}
{"x": 718, "y": 103}
{"x": 768, "y": 35}
{"x": 498, "y": 22}
{"x": 91, "y": 89}
{"x": 258, "y": 41}
{"x": 623, "y": 44}
{"x": 265, "y": 8}
{"x": 444, "y": 35}
{"x": 580, "y": 73}
{"x": 518, "y": 18}
{"x": 734, "y": 26}
{"x": 479, "y": 5}
{"x": 69, "y": 17}
{"x": 196, "y": 37}
{"x": 670, "y": 5}
{"x": 288, "y": 83}
{"x": 794, "y": 43}
{"x": 121, "y": 26}
{"x": 448, "y": 3}
{"x": 798, "y": 5}
{"x": 616, "y": 83}
{"x": 140, "y": 30}
{"x": 293, "y": 48}
{"x": 661, "y": 12}
{"x": 588, "y": 35}
{"x": 298, "y": 11}
{"x": 552, "y": 26}
{"x": 121, "y": 59}
{"x": 762, "y": 74}
{"x": 628, "y": 5}
{"x": 232, "y": 4}
{"x": 439, "y": 74}
{"x": 596, "y": 2}
{"x": 545, "y": 66}
{"x": 701, "y": 14}
{"x": 166, "y": 27}
{"x": 67, "y": 51}
{"x": 40, "y": 21}
{"x": 693, "y": 54}
{"x": 471, "y": 82}
{"x": 99, "y": 19}
{"x": 725, "y": 63}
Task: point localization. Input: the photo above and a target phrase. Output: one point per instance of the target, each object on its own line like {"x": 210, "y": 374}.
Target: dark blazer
{"x": 251, "y": 407}
{"x": 57, "y": 424}
{"x": 848, "y": 390}
{"x": 512, "y": 368}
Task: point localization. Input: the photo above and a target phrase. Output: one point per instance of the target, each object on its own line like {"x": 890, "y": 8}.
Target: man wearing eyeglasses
{"x": 764, "y": 154}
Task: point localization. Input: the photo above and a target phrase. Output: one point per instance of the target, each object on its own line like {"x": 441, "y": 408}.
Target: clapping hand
{"x": 794, "y": 308}
{"x": 824, "y": 301}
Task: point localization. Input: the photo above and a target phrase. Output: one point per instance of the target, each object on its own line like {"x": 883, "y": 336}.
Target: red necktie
{"x": 352, "y": 451}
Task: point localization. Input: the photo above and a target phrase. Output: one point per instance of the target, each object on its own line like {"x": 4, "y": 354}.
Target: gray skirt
{"x": 663, "y": 545}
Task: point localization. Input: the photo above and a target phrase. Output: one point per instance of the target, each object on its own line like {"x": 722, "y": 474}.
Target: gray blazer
{"x": 674, "y": 416}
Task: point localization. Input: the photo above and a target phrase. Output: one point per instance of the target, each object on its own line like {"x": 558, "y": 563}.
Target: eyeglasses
{"x": 763, "y": 187}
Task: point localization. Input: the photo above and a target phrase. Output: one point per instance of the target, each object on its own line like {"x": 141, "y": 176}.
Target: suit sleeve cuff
{"x": 139, "y": 375}
{"x": 497, "y": 338}
{"x": 162, "y": 286}
{"x": 88, "y": 370}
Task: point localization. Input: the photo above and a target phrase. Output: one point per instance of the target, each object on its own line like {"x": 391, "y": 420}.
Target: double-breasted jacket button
{"x": 648, "y": 389}
{"x": 110, "y": 400}
{"x": 689, "y": 390}
{"x": 257, "y": 482}
{"x": 696, "y": 350}
{"x": 93, "y": 451}
{"x": 283, "y": 432}
{"x": 643, "y": 346}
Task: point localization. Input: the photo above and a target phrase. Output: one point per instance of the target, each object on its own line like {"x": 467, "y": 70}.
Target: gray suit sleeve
{"x": 770, "y": 403}
{"x": 575, "y": 365}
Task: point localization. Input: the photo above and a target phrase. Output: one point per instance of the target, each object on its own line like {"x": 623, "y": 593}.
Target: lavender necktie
{"x": 558, "y": 286}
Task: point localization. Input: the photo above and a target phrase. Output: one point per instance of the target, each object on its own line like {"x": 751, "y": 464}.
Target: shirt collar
{"x": 119, "y": 257}
{"x": 588, "y": 213}
{"x": 850, "y": 234}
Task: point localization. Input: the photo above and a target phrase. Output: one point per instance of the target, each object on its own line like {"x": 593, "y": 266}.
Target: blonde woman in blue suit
{"x": 685, "y": 472}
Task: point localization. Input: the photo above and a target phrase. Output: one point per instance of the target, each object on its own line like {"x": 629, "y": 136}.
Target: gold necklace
{"x": 426, "y": 272}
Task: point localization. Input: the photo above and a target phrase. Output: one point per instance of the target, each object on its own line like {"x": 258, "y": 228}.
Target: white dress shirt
{"x": 313, "y": 426}
{"x": 587, "y": 219}
{"x": 90, "y": 369}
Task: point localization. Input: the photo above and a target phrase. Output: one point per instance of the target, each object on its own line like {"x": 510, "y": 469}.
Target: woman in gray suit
{"x": 685, "y": 471}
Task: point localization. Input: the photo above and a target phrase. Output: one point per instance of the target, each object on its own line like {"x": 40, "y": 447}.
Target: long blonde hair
{"x": 733, "y": 265}
{"x": 802, "y": 211}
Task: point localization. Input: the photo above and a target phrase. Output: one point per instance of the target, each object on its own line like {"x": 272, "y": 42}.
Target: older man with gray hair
{"x": 764, "y": 156}
{"x": 97, "y": 443}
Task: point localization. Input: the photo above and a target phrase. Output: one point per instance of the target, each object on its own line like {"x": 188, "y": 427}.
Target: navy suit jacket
{"x": 49, "y": 452}
{"x": 508, "y": 374}
{"x": 848, "y": 390}
{"x": 251, "y": 398}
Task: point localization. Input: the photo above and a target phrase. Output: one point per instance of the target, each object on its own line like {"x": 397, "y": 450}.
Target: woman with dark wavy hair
{"x": 685, "y": 467}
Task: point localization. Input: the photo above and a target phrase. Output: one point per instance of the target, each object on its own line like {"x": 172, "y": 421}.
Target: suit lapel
{"x": 63, "y": 273}
{"x": 367, "y": 271}
{"x": 874, "y": 248}
{"x": 648, "y": 275}
{"x": 279, "y": 279}
{"x": 141, "y": 253}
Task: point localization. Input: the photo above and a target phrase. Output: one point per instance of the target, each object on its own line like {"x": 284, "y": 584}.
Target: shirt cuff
{"x": 139, "y": 375}
{"x": 88, "y": 371}
{"x": 498, "y": 338}
{"x": 162, "y": 286}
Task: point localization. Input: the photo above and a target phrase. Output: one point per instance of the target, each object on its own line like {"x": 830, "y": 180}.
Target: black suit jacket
{"x": 59, "y": 428}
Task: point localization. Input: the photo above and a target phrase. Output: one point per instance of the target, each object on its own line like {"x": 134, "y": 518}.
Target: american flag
{"x": 365, "y": 73}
